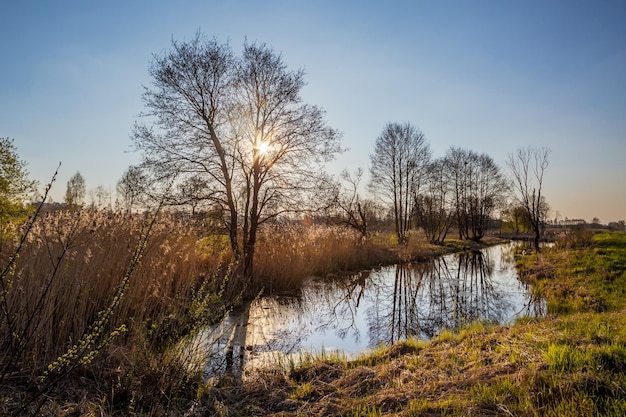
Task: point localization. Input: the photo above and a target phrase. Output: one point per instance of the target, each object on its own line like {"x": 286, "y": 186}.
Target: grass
{"x": 587, "y": 276}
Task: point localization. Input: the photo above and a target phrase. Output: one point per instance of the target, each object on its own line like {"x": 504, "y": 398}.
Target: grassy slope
{"x": 571, "y": 363}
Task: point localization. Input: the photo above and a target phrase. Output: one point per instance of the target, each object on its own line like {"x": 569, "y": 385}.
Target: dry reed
{"x": 286, "y": 254}
{"x": 66, "y": 298}
{"x": 69, "y": 272}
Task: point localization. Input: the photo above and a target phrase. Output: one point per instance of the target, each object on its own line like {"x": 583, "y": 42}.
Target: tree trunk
{"x": 537, "y": 228}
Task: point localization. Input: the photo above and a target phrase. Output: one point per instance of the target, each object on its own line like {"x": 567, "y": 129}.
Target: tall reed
{"x": 286, "y": 254}
{"x": 79, "y": 282}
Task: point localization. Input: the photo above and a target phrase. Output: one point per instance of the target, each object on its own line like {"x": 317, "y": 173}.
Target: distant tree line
{"x": 462, "y": 189}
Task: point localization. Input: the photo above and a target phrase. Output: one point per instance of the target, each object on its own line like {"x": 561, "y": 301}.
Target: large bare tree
{"x": 527, "y": 167}
{"x": 397, "y": 167}
{"x": 238, "y": 123}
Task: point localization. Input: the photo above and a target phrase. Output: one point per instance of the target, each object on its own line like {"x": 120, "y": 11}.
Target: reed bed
{"x": 91, "y": 325}
{"x": 82, "y": 312}
{"x": 79, "y": 296}
{"x": 286, "y": 254}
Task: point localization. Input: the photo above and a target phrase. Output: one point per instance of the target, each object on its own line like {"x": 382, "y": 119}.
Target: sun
{"x": 263, "y": 148}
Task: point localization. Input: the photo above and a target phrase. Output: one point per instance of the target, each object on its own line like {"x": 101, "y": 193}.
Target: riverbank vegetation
{"x": 569, "y": 363}
{"x": 105, "y": 311}
{"x": 100, "y": 308}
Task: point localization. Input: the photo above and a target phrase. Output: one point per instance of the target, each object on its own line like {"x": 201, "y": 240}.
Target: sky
{"x": 491, "y": 76}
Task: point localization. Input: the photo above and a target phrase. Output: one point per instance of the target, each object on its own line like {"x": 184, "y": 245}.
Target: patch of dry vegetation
{"x": 481, "y": 371}
{"x": 287, "y": 254}
{"x": 84, "y": 312}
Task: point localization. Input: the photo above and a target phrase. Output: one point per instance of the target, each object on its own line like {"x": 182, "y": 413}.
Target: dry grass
{"x": 401, "y": 378}
{"x": 91, "y": 252}
{"x": 480, "y": 371}
{"x": 287, "y": 254}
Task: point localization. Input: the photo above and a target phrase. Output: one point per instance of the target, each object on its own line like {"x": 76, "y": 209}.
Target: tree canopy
{"x": 237, "y": 125}
{"x": 14, "y": 183}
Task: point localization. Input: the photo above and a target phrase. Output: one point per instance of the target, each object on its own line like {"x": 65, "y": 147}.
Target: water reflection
{"x": 383, "y": 306}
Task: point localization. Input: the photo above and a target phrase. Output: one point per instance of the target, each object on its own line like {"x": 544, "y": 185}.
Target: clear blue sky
{"x": 486, "y": 75}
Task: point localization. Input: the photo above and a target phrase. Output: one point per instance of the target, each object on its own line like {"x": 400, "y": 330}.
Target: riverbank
{"x": 572, "y": 362}
{"x": 88, "y": 329}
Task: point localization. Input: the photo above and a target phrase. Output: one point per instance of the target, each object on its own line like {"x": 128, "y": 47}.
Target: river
{"x": 352, "y": 313}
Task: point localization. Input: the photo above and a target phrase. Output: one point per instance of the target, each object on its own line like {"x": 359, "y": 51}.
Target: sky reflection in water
{"x": 357, "y": 312}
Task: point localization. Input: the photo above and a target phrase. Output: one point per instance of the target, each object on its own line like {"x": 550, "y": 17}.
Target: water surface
{"x": 360, "y": 311}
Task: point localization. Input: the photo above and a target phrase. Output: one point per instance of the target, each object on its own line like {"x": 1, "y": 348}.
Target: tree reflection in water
{"x": 444, "y": 293}
{"x": 383, "y": 306}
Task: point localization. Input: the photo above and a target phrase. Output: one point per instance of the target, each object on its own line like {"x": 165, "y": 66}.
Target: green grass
{"x": 580, "y": 278}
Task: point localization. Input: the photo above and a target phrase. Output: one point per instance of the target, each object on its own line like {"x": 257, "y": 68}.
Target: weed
{"x": 500, "y": 391}
{"x": 365, "y": 411}
{"x": 564, "y": 358}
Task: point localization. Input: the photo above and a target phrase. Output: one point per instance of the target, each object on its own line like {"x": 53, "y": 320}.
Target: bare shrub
{"x": 577, "y": 237}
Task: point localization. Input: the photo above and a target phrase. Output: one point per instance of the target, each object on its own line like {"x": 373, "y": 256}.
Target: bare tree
{"x": 487, "y": 192}
{"x": 100, "y": 197}
{"x": 353, "y": 210}
{"x": 456, "y": 164}
{"x": 527, "y": 167}
{"x": 239, "y": 123}
{"x": 397, "y": 167}
{"x": 131, "y": 187}
{"x": 75, "y": 191}
{"x": 479, "y": 187}
{"x": 434, "y": 208}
